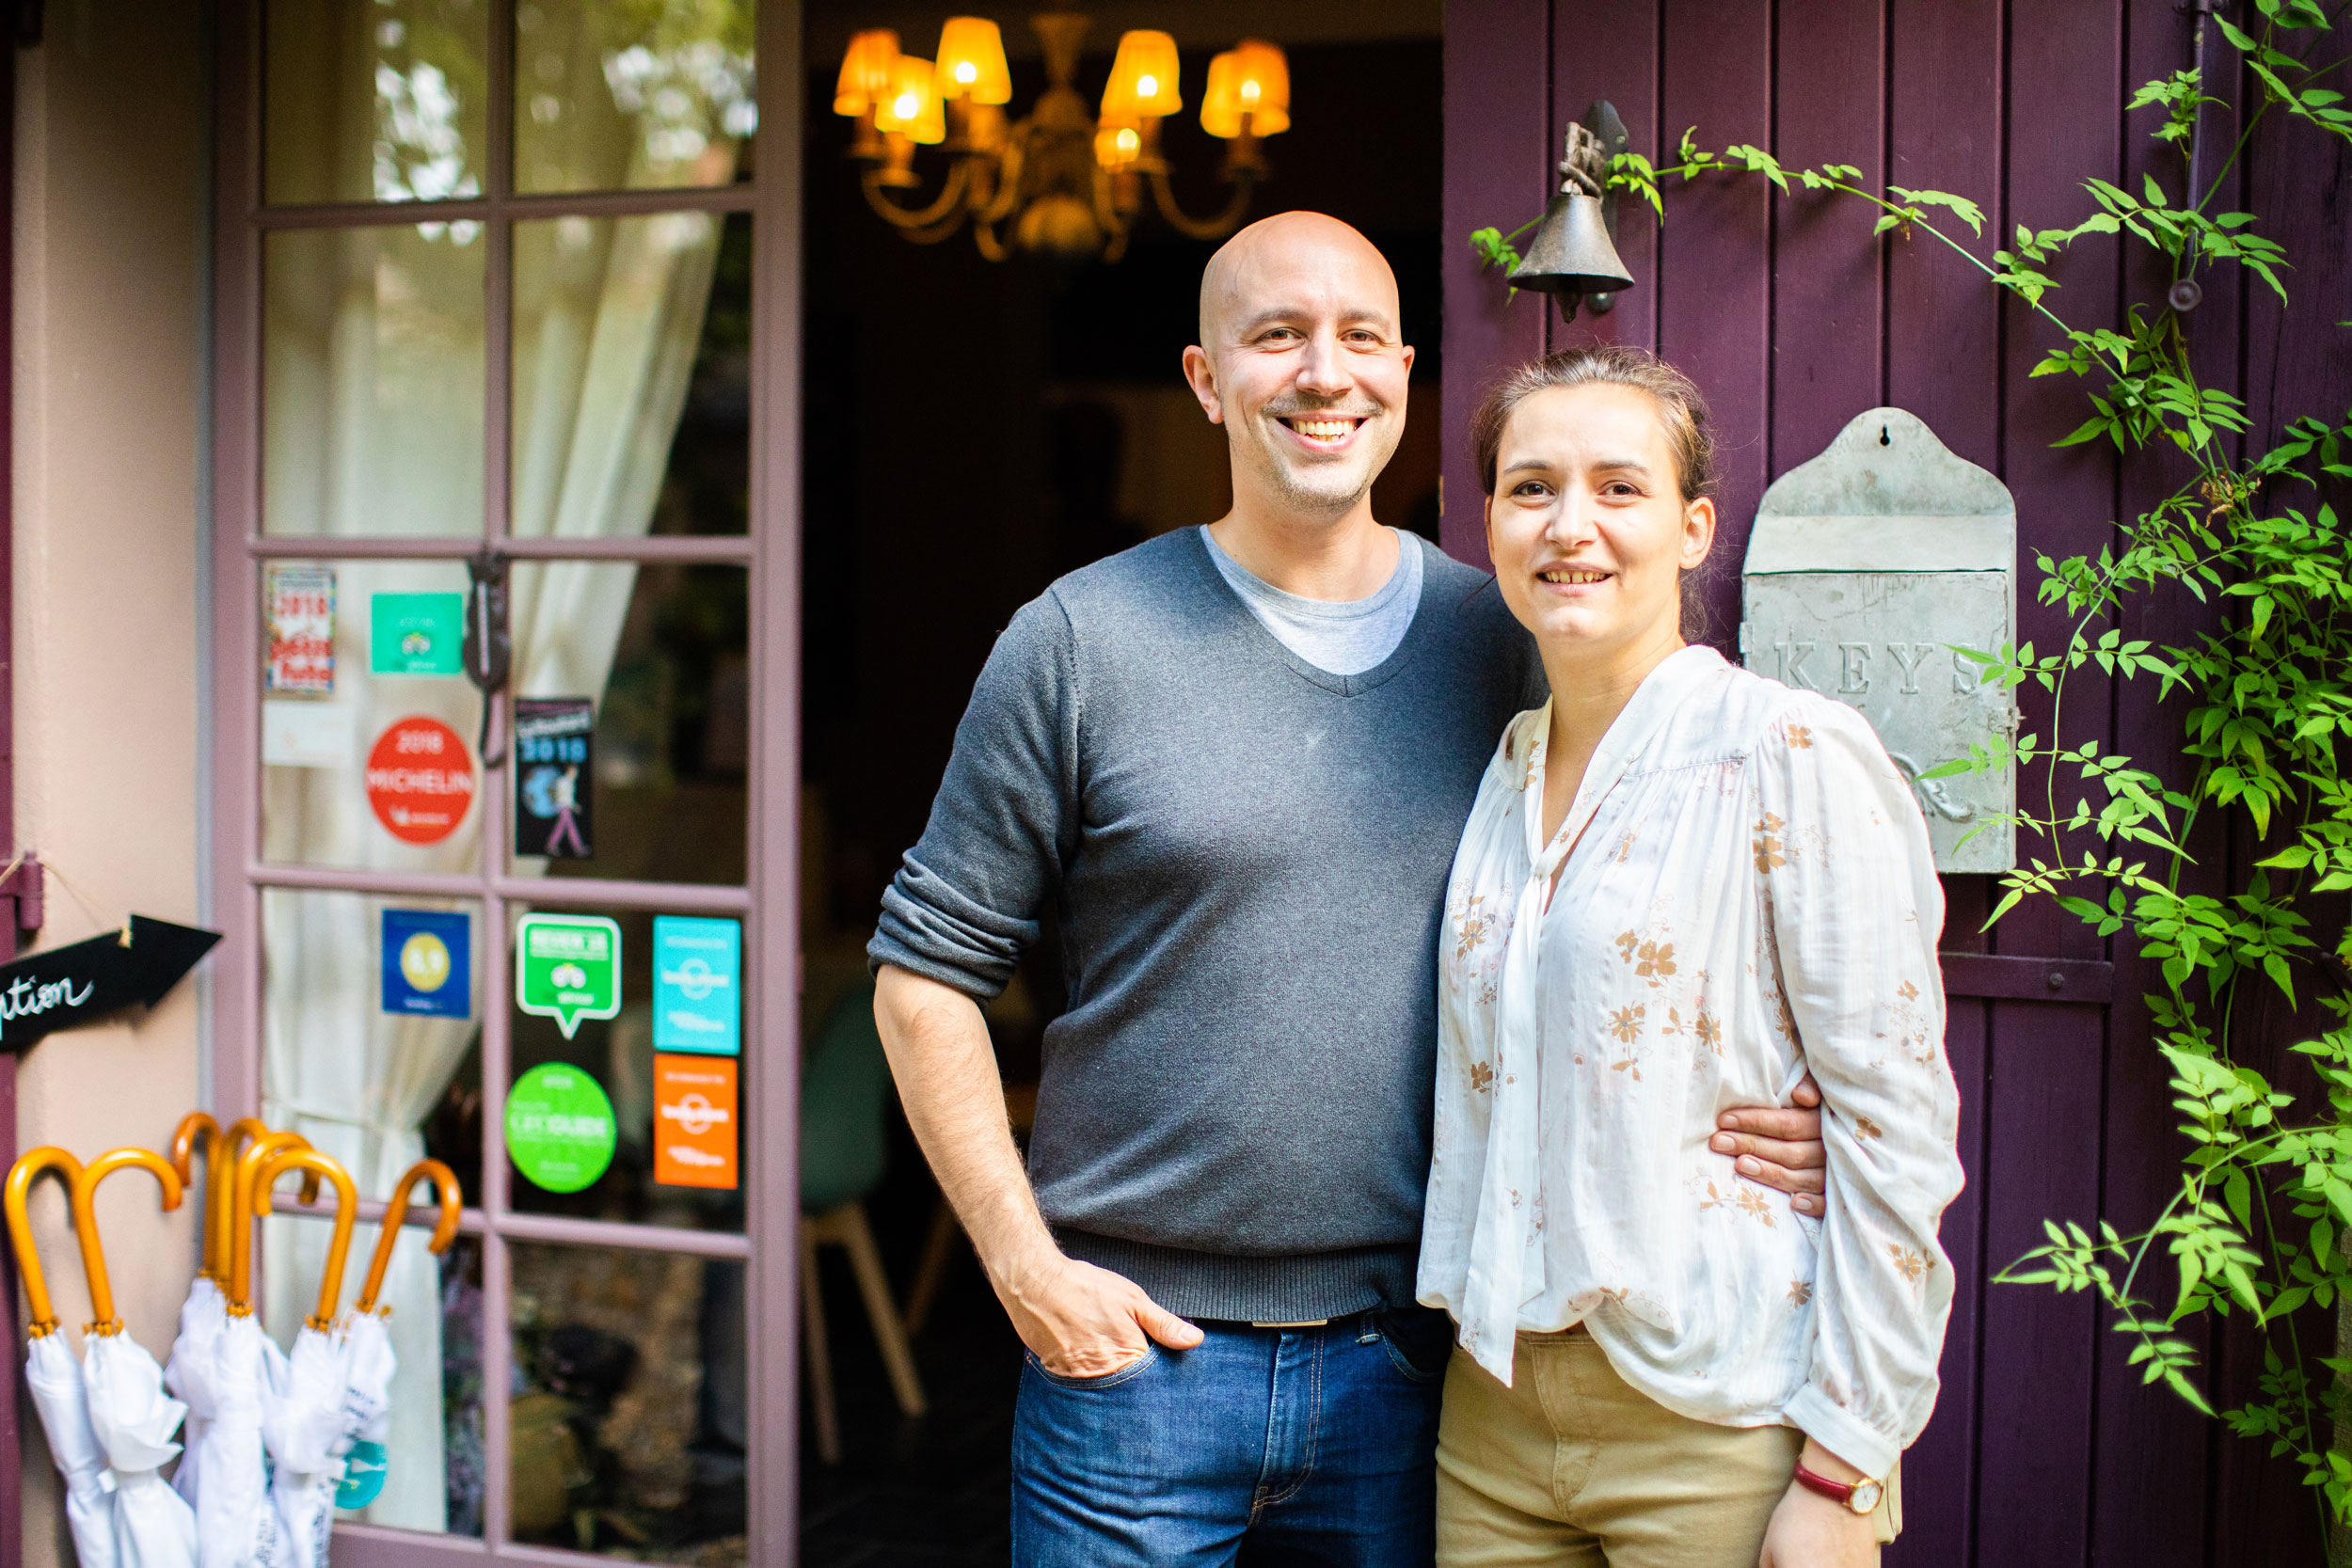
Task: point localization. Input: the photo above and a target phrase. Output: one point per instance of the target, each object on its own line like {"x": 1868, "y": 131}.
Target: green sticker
{"x": 417, "y": 634}
{"x": 567, "y": 967}
{"x": 559, "y": 1128}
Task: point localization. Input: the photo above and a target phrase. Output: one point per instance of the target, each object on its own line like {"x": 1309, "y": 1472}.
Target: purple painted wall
{"x": 2046, "y": 1447}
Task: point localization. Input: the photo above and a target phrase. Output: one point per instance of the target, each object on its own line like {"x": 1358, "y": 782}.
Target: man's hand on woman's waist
{"x": 1779, "y": 1146}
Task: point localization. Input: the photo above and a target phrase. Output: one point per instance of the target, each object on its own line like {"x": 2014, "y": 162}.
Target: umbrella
{"x": 304, "y": 1428}
{"x": 235, "y": 1519}
{"x": 206, "y": 1313}
{"x": 132, "y": 1416}
{"x": 55, "y": 1377}
{"x": 366, "y": 1401}
{"x": 203, "y": 1317}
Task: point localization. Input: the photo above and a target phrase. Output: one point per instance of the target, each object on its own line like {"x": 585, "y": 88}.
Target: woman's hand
{"x": 1809, "y": 1531}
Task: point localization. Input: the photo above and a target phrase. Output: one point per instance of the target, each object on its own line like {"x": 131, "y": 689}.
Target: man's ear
{"x": 1698, "y": 532}
{"x": 1408, "y": 359}
{"x": 1201, "y": 375}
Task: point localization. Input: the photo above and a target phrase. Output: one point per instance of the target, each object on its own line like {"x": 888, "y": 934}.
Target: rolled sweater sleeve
{"x": 1855, "y": 911}
{"x": 965, "y": 901}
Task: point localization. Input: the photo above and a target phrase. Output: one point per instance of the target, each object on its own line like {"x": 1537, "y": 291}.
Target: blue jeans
{"x": 1260, "y": 1447}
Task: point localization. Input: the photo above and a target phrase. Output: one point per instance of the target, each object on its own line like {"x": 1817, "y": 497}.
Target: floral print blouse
{"x": 1746, "y": 894}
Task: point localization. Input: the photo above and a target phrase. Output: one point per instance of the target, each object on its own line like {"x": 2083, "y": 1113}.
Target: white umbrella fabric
{"x": 304, "y": 1428}
{"x": 130, "y": 1413}
{"x": 202, "y": 1317}
{"x": 234, "y": 1519}
{"x": 189, "y": 1376}
{"x": 369, "y": 1359}
{"x": 54, "y": 1377}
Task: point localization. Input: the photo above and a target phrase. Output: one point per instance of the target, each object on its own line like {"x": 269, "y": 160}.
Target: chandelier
{"x": 1068, "y": 185}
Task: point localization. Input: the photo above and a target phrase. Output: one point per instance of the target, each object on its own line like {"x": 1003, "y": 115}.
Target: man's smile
{"x": 1323, "y": 432}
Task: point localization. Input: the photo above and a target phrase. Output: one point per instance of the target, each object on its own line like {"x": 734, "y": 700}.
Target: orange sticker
{"x": 693, "y": 1122}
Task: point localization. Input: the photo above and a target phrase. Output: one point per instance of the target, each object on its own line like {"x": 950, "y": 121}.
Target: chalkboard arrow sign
{"x": 84, "y": 981}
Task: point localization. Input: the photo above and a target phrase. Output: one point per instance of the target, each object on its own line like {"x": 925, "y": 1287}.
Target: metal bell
{"x": 1571, "y": 255}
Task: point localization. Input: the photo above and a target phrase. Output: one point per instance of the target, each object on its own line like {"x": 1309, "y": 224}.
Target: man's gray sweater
{"x": 1247, "y": 857}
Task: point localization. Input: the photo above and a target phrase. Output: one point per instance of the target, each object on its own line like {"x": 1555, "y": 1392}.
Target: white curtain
{"x": 369, "y": 413}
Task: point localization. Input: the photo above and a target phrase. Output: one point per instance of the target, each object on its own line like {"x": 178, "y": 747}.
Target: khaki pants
{"x": 1572, "y": 1468}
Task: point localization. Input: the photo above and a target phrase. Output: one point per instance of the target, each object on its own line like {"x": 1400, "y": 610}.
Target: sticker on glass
{"x": 419, "y": 780}
{"x": 559, "y": 1128}
{"x": 554, "y": 752}
{"x": 297, "y": 732}
{"x": 567, "y": 967}
{"x": 695, "y": 1133}
{"x": 417, "y": 634}
{"x": 428, "y": 962}
{"x": 697, "y": 985}
{"x": 301, "y": 603}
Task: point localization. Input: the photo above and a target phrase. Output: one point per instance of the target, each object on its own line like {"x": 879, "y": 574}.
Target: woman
{"x": 1681, "y": 887}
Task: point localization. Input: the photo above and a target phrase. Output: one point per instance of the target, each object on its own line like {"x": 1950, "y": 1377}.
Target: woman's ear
{"x": 1698, "y": 532}
{"x": 1487, "y": 512}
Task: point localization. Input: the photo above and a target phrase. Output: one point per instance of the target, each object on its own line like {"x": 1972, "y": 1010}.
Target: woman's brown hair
{"x": 1682, "y": 410}
{"x": 1689, "y": 430}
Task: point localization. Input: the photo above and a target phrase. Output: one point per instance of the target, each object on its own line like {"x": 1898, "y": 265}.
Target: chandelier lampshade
{"x": 913, "y": 107}
{"x": 972, "y": 61}
{"x": 1253, "y": 78}
{"x": 867, "y": 70}
{"x": 1143, "y": 77}
{"x": 1062, "y": 181}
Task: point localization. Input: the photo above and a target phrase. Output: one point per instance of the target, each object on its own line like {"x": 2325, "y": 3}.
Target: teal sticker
{"x": 559, "y": 1128}
{"x": 364, "y": 1469}
{"x": 697, "y": 981}
{"x": 567, "y": 967}
{"x": 417, "y": 634}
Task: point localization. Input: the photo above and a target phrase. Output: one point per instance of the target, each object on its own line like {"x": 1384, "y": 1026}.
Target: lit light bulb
{"x": 967, "y": 72}
{"x": 909, "y": 106}
{"x": 1129, "y": 141}
{"x": 1146, "y": 85}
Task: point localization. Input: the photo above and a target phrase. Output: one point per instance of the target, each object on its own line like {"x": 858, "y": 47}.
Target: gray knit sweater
{"x": 1247, "y": 857}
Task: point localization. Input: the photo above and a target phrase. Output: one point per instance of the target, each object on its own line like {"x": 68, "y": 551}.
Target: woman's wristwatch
{"x": 1859, "y": 1496}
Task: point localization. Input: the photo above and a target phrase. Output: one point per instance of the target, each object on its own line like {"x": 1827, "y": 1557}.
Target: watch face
{"x": 1866, "y": 1496}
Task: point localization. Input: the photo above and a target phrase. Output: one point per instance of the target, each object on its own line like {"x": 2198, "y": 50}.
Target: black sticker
{"x": 555, "y": 776}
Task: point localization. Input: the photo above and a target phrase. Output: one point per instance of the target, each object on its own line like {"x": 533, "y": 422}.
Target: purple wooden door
{"x": 2045, "y": 1448}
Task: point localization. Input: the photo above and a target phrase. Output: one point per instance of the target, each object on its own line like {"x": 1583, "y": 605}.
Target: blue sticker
{"x": 363, "y": 1475}
{"x": 428, "y": 962}
{"x": 697, "y": 985}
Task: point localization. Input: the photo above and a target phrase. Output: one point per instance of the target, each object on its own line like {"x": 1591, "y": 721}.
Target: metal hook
{"x": 397, "y": 1214}
{"x": 21, "y": 1179}
{"x": 101, "y": 1295}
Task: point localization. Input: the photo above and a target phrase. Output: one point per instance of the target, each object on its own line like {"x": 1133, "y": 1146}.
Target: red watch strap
{"x": 1841, "y": 1490}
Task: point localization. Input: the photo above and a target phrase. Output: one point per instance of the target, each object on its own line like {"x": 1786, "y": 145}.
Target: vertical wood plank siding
{"x": 2045, "y": 1448}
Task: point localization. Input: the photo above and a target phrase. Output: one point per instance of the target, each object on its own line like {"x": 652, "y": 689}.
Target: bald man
{"x": 1235, "y": 761}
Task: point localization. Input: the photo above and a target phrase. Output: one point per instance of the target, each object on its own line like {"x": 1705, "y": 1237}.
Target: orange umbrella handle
{"x": 101, "y": 1296}
{"x": 237, "y": 1217}
{"x": 183, "y": 1161}
{"x": 397, "y": 1214}
{"x": 346, "y": 1215}
{"x": 21, "y": 1179}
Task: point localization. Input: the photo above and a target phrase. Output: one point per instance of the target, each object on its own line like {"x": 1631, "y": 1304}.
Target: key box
{"x": 1867, "y": 566}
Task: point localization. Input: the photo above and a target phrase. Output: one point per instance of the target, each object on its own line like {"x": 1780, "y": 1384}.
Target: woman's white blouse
{"x": 1748, "y": 894}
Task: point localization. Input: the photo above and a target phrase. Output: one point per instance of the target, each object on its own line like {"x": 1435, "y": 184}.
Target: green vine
{"x": 2260, "y": 1222}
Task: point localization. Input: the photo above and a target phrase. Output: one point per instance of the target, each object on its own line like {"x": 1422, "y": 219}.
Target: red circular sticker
{"x": 419, "y": 780}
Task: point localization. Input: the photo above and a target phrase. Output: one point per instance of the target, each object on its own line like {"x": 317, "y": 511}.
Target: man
{"x": 1236, "y": 761}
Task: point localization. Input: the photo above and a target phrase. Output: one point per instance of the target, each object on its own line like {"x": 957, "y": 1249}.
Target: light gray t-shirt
{"x": 1345, "y": 637}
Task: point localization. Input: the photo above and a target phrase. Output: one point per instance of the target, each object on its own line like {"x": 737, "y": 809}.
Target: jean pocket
{"x": 1111, "y": 1379}
{"x": 1418, "y": 1340}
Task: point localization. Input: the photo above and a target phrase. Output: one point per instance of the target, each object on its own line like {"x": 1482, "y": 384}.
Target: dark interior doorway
{"x": 973, "y": 430}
